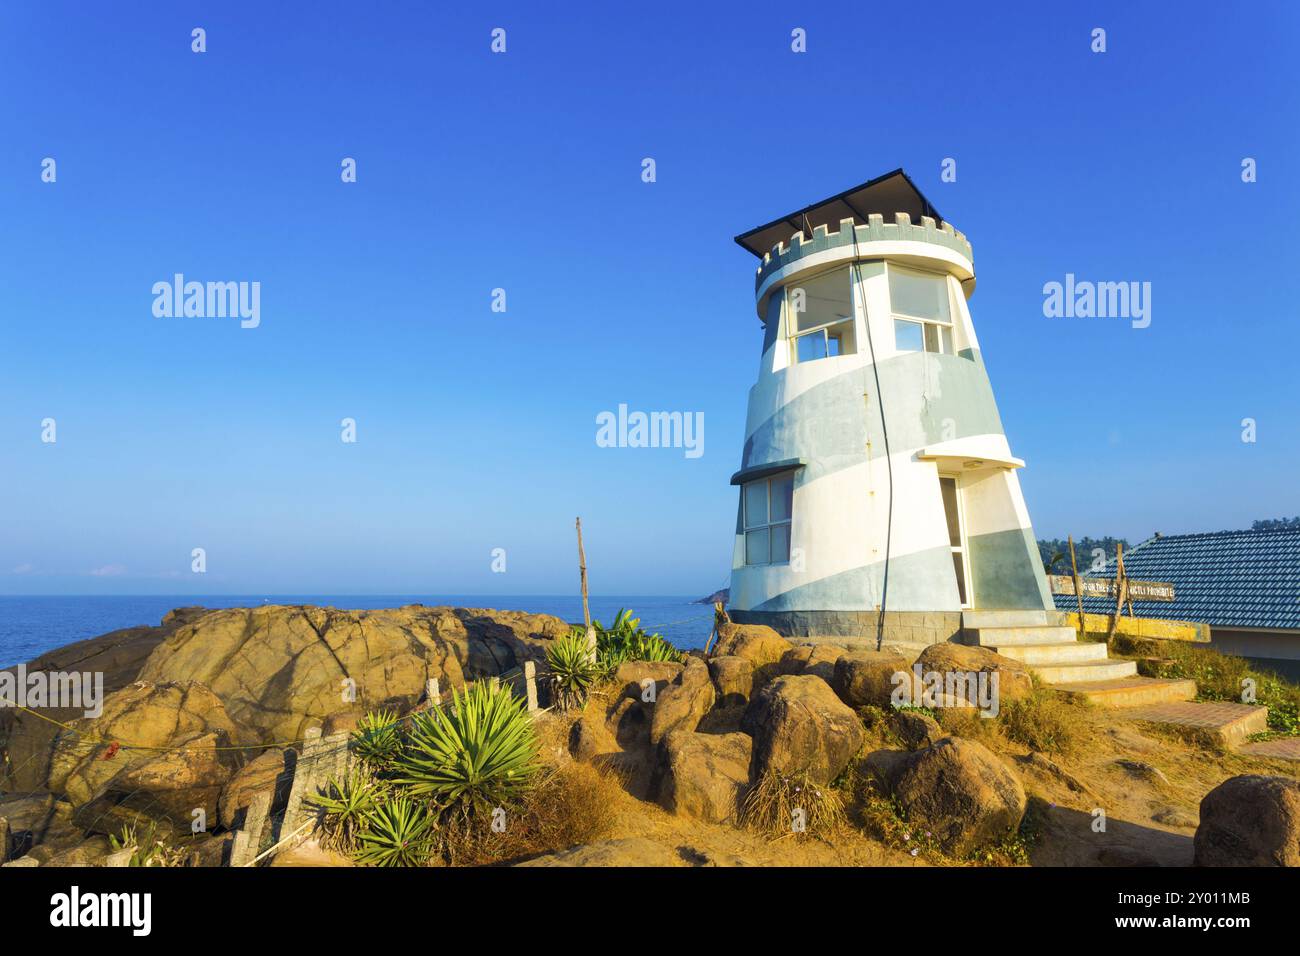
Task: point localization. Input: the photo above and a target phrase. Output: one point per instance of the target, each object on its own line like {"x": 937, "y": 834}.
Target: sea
{"x": 30, "y": 626}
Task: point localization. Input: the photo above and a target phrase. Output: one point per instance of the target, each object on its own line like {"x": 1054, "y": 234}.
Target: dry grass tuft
{"x": 782, "y": 806}
{"x": 1047, "y": 722}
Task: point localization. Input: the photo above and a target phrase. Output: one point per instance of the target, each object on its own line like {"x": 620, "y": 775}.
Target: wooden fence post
{"x": 1078, "y": 589}
{"x": 586, "y": 611}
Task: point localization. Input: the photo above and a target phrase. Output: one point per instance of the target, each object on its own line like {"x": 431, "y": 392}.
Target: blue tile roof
{"x": 1224, "y": 578}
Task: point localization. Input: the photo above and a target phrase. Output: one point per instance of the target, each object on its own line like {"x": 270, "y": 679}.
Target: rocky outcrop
{"x": 800, "y": 726}
{"x": 684, "y": 702}
{"x": 1250, "y": 820}
{"x": 629, "y": 851}
{"x": 1014, "y": 680}
{"x": 705, "y": 776}
{"x": 915, "y": 729}
{"x": 757, "y": 643}
{"x": 282, "y": 669}
{"x": 183, "y": 748}
{"x": 734, "y": 679}
{"x": 816, "y": 659}
{"x": 960, "y": 792}
{"x": 865, "y": 677}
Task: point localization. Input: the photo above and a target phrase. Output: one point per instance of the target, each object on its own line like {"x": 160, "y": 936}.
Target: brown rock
{"x": 272, "y": 770}
{"x": 757, "y": 643}
{"x": 865, "y": 677}
{"x": 634, "y": 678}
{"x": 1014, "y": 680}
{"x": 589, "y": 736}
{"x": 1251, "y": 820}
{"x": 816, "y": 659}
{"x": 629, "y": 851}
{"x": 962, "y": 793}
{"x": 733, "y": 677}
{"x": 705, "y": 776}
{"x": 799, "y": 725}
{"x": 915, "y": 729}
{"x": 684, "y": 702}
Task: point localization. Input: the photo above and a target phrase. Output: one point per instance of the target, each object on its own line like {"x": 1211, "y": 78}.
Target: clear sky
{"x": 476, "y": 429}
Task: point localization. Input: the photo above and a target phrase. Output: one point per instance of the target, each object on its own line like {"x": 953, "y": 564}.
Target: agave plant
{"x": 477, "y": 754}
{"x": 572, "y": 670}
{"x": 377, "y": 740}
{"x": 398, "y": 832}
{"x": 345, "y": 807}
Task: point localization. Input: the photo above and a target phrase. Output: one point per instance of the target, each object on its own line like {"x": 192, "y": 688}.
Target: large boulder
{"x": 1250, "y": 820}
{"x": 734, "y": 679}
{"x": 816, "y": 659}
{"x": 629, "y": 851}
{"x": 684, "y": 702}
{"x": 270, "y": 771}
{"x": 282, "y": 669}
{"x": 1014, "y": 680}
{"x": 864, "y": 677}
{"x": 757, "y": 643}
{"x": 633, "y": 678}
{"x": 705, "y": 776}
{"x": 158, "y": 751}
{"x": 798, "y": 726}
{"x": 959, "y": 791}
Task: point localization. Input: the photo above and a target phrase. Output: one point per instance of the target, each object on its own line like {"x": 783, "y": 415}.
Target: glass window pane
{"x": 780, "y": 543}
{"x": 931, "y": 337}
{"x": 946, "y": 332}
{"x": 958, "y": 567}
{"x": 825, "y": 299}
{"x": 920, "y": 294}
{"x": 948, "y": 486}
{"x": 782, "y": 497}
{"x": 756, "y": 547}
{"x": 907, "y": 336}
{"x": 755, "y": 504}
{"x": 811, "y": 347}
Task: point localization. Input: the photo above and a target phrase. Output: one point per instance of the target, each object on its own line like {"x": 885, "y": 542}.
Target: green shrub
{"x": 399, "y": 832}
{"x": 377, "y": 740}
{"x": 344, "y": 809}
{"x": 624, "y": 641}
{"x": 573, "y": 672}
{"x": 1220, "y": 677}
{"x": 479, "y": 753}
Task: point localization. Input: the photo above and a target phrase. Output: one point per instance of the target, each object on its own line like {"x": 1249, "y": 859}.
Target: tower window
{"x": 819, "y": 313}
{"x": 768, "y": 504}
{"x": 922, "y": 311}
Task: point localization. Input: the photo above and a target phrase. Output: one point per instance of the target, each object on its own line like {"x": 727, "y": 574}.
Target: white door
{"x": 952, "y": 512}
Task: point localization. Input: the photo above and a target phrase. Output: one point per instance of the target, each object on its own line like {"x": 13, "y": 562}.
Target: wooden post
{"x": 586, "y": 611}
{"x": 530, "y": 685}
{"x": 1121, "y": 588}
{"x": 1078, "y": 589}
{"x": 432, "y": 692}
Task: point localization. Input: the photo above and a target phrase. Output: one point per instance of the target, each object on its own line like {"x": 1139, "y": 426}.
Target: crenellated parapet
{"x": 876, "y": 229}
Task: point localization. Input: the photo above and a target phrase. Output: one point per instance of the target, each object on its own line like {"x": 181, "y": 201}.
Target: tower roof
{"x": 893, "y": 192}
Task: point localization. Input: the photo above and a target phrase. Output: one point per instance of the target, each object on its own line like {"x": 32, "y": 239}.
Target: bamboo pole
{"x": 1121, "y": 588}
{"x": 586, "y": 611}
{"x": 1078, "y": 589}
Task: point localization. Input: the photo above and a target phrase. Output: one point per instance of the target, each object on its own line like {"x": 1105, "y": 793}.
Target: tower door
{"x": 956, "y": 520}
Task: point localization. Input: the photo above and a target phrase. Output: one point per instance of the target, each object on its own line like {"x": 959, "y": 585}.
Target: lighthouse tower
{"x": 875, "y": 474}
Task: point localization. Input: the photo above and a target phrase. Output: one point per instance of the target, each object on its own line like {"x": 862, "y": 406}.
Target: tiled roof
{"x": 1224, "y": 578}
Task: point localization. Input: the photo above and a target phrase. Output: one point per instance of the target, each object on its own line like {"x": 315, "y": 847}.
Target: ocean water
{"x": 30, "y": 626}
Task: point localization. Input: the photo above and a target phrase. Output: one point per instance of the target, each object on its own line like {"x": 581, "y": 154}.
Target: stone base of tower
{"x": 853, "y": 627}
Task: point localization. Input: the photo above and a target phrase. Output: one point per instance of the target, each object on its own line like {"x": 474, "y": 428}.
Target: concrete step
{"x": 1030, "y": 634}
{"x": 1130, "y": 691}
{"x": 991, "y": 617}
{"x": 1088, "y": 671}
{"x": 1227, "y": 723}
{"x": 1036, "y": 655}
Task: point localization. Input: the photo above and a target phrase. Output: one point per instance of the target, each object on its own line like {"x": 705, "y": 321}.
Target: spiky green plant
{"x": 148, "y": 849}
{"x": 377, "y": 740}
{"x": 477, "y": 754}
{"x": 345, "y": 807}
{"x": 624, "y": 640}
{"x": 398, "y": 832}
{"x": 572, "y": 670}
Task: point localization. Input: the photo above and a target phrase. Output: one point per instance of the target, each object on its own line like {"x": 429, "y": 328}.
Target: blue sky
{"x": 476, "y": 430}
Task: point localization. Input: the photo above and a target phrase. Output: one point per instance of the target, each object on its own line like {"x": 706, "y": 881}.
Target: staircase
{"x": 1043, "y": 643}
